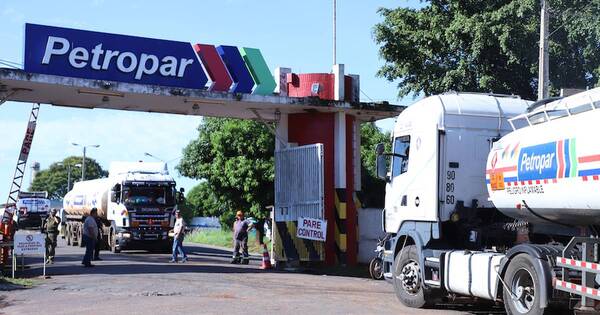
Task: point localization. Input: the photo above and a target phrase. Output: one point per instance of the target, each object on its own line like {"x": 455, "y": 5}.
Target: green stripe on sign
{"x": 573, "y": 158}
{"x": 265, "y": 84}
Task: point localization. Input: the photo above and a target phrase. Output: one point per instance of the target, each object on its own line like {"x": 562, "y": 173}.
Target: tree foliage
{"x": 54, "y": 178}
{"x": 488, "y": 46}
{"x": 373, "y": 189}
{"x": 235, "y": 158}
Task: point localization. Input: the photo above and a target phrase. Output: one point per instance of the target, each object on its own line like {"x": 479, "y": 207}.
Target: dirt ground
{"x": 146, "y": 283}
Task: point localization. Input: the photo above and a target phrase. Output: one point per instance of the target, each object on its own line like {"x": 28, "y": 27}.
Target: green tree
{"x": 54, "y": 178}
{"x": 373, "y": 189}
{"x": 488, "y": 46}
{"x": 235, "y": 157}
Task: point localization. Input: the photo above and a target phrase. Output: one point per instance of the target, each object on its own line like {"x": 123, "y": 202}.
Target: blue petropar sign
{"x": 103, "y": 56}
{"x": 538, "y": 162}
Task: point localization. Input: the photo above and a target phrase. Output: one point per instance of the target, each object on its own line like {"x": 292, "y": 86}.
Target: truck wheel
{"x": 524, "y": 284}
{"x": 113, "y": 242}
{"x": 376, "y": 268}
{"x": 80, "y": 237}
{"x": 408, "y": 284}
{"x": 68, "y": 235}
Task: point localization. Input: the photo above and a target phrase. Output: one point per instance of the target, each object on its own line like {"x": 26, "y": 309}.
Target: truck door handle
{"x": 403, "y": 202}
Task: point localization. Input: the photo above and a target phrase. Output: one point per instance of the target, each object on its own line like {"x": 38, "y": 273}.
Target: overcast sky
{"x": 294, "y": 34}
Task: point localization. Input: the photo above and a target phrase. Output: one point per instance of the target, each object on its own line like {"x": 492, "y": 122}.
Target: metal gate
{"x": 299, "y": 192}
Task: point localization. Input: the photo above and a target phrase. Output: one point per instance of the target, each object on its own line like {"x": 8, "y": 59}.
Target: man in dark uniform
{"x": 99, "y": 240}
{"x": 51, "y": 227}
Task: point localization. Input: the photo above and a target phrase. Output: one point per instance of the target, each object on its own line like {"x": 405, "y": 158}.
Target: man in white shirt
{"x": 179, "y": 231}
{"x": 90, "y": 236}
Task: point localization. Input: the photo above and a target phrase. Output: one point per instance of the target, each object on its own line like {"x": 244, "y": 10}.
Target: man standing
{"x": 179, "y": 231}
{"x": 240, "y": 239}
{"x": 90, "y": 235}
{"x": 51, "y": 227}
{"x": 98, "y": 240}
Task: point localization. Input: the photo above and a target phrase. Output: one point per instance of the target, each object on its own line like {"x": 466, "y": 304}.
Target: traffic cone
{"x": 266, "y": 260}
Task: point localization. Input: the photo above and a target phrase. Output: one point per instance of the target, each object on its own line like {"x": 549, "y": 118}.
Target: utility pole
{"x": 334, "y": 32}
{"x": 83, "y": 162}
{"x": 543, "y": 73}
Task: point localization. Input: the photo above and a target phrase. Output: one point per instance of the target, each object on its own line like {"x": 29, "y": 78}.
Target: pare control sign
{"x": 312, "y": 229}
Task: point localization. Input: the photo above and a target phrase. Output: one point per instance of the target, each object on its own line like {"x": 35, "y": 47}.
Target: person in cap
{"x": 90, "y": 236}
{"x": 179, "y": 231}
{"x": 51, "y": 228}
{"x": 240, "y": 239}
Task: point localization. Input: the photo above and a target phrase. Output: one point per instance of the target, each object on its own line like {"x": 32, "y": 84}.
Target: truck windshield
{"x": 401, "y": 152}
{"x": 148, "y": 196}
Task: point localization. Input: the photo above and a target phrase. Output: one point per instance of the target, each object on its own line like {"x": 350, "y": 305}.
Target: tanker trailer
{"x": 135, "y": 205}
{"x": 493, "y": 197}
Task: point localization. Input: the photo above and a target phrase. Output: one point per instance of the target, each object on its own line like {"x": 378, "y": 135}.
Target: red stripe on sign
{"x": 594, "y": 266}
{"x": 537, "y": 182}
{"x": 572, "y": 262}
{"x": 589, "y": 158}
{"x": 584, "y": 264}
{"x": 573, "y": 286}
{"x": 508, "y": 183}
{"x": 554, "y": 180}
{"x": 594, "y": 291}
{"x": 595, "y": 177}
{"x": 563, "y": 260}
{"x": 530, "y": 182}
{"x": 561, "y": 161}
{"x": 516, "y": 183}
{"x": 545, "y": 181}
{"x": 502, "y": 169}
{"x": 585, "y": 178}
{"x": 522, "y": 183}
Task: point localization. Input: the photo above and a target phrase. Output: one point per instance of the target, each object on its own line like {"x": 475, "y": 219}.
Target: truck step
{"x": 433, "y": 283}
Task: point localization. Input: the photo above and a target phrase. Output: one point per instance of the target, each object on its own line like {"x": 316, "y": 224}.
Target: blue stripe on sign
{"x": 567, "y": 159}
{"x": 487, "y": 181}
{"x": 510, "y": 179}
{"x": 594, "y": 171}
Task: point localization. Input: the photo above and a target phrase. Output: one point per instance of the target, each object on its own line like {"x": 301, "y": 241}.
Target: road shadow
{"x": 201, "y": 260}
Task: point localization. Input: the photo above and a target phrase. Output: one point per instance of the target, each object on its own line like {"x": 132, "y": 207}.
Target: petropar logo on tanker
{"x": 548, "y": 160}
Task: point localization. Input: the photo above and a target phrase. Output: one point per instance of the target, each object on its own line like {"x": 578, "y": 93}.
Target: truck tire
{"x": 80, "y": 236}
{"x": 68, "y": 235}
{"x": 524, "y": 283}
{"x": 113, "y": 242}
{"x": 406, "y": 272}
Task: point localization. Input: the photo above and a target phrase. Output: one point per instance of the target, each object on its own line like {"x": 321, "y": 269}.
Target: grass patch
{"x": 223, "y": 238}
{"x": 27, "y": 283}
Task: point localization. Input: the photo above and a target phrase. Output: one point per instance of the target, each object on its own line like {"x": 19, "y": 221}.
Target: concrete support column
{"x": 282, "y": 132}
{"x": 338, "y": 72}
{"x": 280, "y": 76}
{"x": 340, "y": 173}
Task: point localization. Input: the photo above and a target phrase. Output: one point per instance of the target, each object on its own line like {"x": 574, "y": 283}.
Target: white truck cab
{"x": 440, "y": 146}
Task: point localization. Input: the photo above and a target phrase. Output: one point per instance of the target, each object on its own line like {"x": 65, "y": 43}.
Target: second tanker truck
{"x": 135, "y": 205}
{"x": 493, "y": 197}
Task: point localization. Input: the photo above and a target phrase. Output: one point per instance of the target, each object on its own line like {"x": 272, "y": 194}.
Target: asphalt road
{"x": 146, "y": 283}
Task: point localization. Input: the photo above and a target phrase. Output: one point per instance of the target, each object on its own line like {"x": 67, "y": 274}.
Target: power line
{"x": 367, "y": 96}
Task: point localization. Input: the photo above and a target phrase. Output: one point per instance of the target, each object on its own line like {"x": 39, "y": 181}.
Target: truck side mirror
{"x": 380, "y": 162}
{"x": 115, "y": 193}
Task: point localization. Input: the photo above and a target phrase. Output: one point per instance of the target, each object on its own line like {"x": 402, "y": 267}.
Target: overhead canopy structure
{"x": 18, "y": 85}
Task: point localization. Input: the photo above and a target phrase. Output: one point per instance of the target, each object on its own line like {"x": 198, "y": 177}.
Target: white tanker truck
{"x": 135, "y": 204}
{"x": 496, "y": 198}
